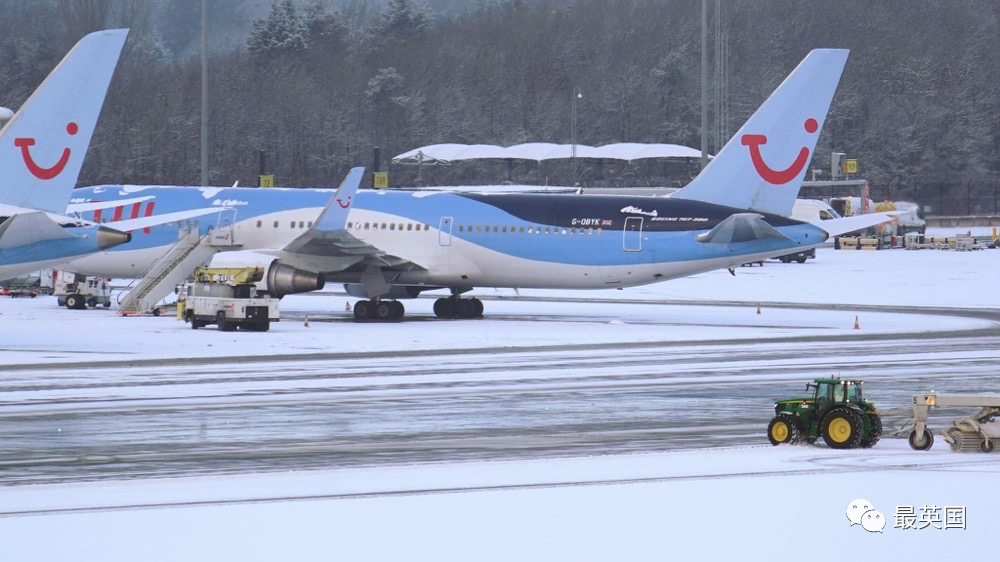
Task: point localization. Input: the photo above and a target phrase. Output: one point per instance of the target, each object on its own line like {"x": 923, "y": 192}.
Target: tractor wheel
{"x": 874, "y": 430}
{"x": 782, "y": 429}
{"x": 928, "y": 440}
{"x": 842, "y": 429}
{"x": 75, "y": 302}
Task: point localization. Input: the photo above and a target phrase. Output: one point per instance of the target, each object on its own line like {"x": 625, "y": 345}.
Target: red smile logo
{"x": 778, "y": 177}
{"x": 39, "y": 172}
{"x": 342, "y": 204}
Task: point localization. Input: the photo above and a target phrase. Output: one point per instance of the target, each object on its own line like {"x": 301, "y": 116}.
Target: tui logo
{"x": 778, "y": 177}
{"x": 39, "y": 172}
{"x": 342, "y": 204}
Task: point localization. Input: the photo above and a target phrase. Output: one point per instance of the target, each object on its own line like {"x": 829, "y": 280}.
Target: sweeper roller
{"x": 974, "y": 432}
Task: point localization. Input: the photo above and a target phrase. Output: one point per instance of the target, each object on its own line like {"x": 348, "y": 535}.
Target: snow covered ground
{"x": 749, "y": 503}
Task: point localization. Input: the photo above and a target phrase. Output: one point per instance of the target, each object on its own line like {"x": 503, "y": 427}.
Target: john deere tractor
{"x": 836, "y": 411}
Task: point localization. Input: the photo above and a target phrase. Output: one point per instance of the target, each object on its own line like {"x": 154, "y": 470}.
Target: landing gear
{"x": 375, "y": 309}
{"x": 455, "y": 307}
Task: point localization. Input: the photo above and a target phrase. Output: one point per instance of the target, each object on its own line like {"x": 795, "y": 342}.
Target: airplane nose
{"x": 109, "y": 237}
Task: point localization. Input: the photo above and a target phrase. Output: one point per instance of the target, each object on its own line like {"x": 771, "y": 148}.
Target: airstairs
{"x": 189, "y": 252}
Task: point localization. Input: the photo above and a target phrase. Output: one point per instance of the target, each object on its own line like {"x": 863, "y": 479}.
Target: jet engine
{"x": 279, "y": 279}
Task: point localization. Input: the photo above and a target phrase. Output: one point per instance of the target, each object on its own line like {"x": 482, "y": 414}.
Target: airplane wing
{"x": 330, "y": 238}
{"x": 741, "y": 227}
{"x": 94, "y": 206}
{"x": 144, "y": 222}
{"x": 27, "y": 228}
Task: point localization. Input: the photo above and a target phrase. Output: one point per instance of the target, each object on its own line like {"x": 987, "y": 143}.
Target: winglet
{"x": 762, "y": 167}
{"x": 334, "y": 215}
{"x": 43, "y": 146}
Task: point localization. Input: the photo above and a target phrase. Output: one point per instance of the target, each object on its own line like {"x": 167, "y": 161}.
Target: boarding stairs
{"x": 177, "y": 264}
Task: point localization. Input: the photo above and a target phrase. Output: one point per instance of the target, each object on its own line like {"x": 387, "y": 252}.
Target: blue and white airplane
{"x": 397, "y": 244}
{"x": 42, "y": 149}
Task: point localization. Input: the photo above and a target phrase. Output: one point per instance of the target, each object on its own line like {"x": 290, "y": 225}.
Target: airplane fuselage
{"x": 519, "y": 240}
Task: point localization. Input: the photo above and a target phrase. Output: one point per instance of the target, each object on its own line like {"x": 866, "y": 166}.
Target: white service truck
{"x": 227, "y": 297}
{"x": 79, "y": 292}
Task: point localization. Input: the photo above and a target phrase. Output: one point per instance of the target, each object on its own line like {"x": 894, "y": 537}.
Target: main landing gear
{"x": 376, "y": 309}
{"x": 455, "y": 307}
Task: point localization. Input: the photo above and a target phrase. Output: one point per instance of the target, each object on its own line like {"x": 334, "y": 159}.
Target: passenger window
{"x": 349, "y": 225}
{"x": 302, "y": 224}
{"x": 427, "y": 227}
{"x": 292, "y": 225}
{"x": 275, "y": 224}
{"x": 599, "y": 231}
{"x": 310, "y": 224}
{"x": 260, "y": 224}
{"x": 522, "y": 230}
{"x": 366, "y": 226}
{"x": 410, "y": 227}
{"x": 383, "y": 226}
{"x": 392, "y": 226}
{"x": 590, "y": 231}
{"x": 477, "y": 228}
{"x": 461, "y": 228}
{"x": 495, "y": 228}
{"x": 504, "y": 229}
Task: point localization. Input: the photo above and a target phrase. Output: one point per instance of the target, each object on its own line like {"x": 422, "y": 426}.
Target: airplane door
{"x": 444, "y": 232}
{"x": 632, "y": 235}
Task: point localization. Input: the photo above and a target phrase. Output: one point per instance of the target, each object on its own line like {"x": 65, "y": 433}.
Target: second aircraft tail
{"x": 762, "y": 167}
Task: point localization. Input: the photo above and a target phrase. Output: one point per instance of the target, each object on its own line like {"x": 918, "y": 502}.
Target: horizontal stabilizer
{"x": 28, "y": 228}
{"x": 741, "y": 227}
{"x": 836, "y": 227}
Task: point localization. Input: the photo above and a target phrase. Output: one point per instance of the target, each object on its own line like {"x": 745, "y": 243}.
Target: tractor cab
{"x": 834, "y": 391}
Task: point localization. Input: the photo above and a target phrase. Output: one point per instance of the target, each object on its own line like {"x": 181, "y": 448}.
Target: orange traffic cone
{"x": 856, "y": 325}
{"x": 306, "y": 323}
{"x": 758, "y": 309}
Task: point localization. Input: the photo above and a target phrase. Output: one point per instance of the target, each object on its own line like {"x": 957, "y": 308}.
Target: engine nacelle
{"x": 395, "y": 291}
{"x": 280, "y": 279}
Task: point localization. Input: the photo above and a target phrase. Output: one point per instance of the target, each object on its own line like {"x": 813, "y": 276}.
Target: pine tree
{"x": 282, "y": 31}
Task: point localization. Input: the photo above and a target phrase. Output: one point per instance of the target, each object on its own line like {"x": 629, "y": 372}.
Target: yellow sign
{"x": 851, "y": 167}
{"x": 265, "y": 181}
{"x": 381, "y": 180}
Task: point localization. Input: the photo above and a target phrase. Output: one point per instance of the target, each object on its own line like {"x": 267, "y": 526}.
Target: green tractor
{"x": 836, "y": 411}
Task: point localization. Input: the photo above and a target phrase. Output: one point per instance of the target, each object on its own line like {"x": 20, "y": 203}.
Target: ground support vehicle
{"x": 836, "y": 411}
{"x": 227, "y": 297}
{"x": 977, "y": 431}
{"x": 79, "y": 294}
{"x": 800, "y": 257}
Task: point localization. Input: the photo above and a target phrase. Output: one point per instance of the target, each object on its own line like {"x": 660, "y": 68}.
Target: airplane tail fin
{"x": 762, "y": 167}
{"x": 43, "y": 146}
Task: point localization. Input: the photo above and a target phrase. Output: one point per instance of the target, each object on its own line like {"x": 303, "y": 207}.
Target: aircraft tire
{"x": 465, "y": 308}
{"x": 397, "y": 310}
{"x": 444, "y": 308}
{"x": 363, "y": 310}
{"x": 477, "y": 305}
{"x": 383, "y": 310}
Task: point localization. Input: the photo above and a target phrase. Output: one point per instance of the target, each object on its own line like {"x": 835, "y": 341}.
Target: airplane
{"x": 48, "y": 139}
{"x": 397, "y": 244}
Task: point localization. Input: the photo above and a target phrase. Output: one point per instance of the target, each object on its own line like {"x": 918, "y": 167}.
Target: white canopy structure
{"x": 538, "y": 151}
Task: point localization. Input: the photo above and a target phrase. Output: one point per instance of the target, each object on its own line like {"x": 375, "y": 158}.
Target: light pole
{"x": 577, "y": 94}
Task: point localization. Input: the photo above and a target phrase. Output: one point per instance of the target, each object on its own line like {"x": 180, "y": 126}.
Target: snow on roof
{"x": 538, "y": 151}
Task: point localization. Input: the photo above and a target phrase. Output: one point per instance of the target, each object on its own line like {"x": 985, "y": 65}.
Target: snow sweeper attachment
{"x": 978, "y": 431}
{"x": 836, "y": 411}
